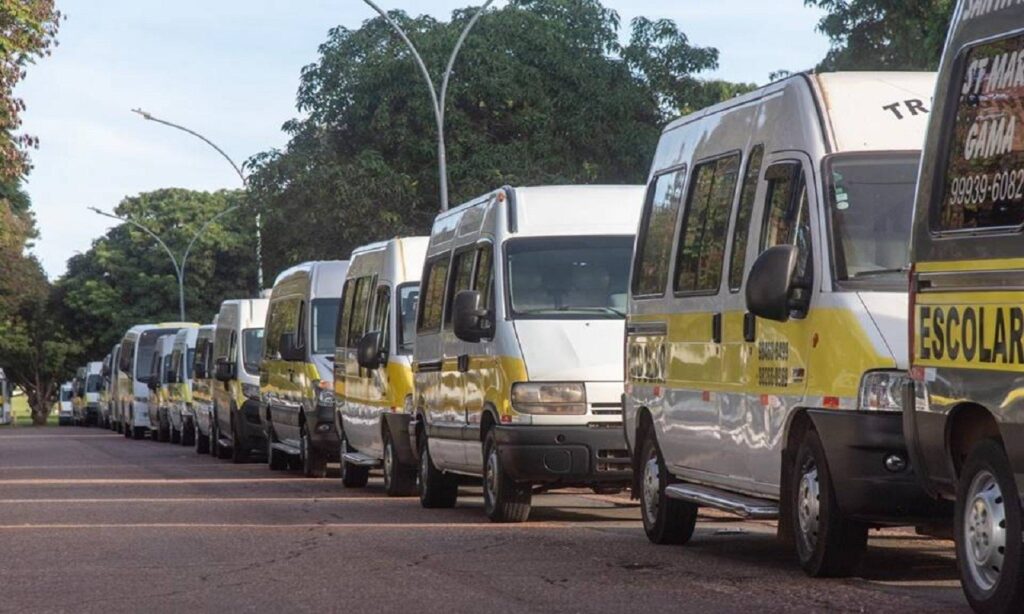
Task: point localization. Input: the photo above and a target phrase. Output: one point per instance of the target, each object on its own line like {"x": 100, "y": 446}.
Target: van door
{"x": 481, "y": 362}
{"x": 777, "y": 360}
{"x": 457, "y": 356}
{"x": 358, "y": 381}
{"x": 694, "y": 334}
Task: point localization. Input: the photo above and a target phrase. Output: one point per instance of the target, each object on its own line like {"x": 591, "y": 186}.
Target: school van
{"x": 78, "y": 398}
{"x": 65, "y": 411}
{"x": 93, "y": 392}
{"x": 965, "y": 424}
{"x": 202, "y": 388}
{"x": 296, "y": 374}
{"x": 161, "y": 379}
{"x": 518, "y": 356}
{"x": 110, "y": 389}
{"x": 237, "y": 348}
{"x": 373, "y": 363}
{"x": 179, "y": 401}
{"x": 767, "y": 331}
{"x": 133, "y": 371}
{"x": 6, "y": 391}
{"x": 103, "y": 411}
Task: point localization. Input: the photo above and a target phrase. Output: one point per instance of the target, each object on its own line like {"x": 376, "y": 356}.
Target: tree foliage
{"x": 543, "y": 93}
{"x": 884, "y": 34}
{"x": 126, "y": 278}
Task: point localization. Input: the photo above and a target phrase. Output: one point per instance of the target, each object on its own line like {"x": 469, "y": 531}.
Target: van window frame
{"x": 684, "y": 216}
{"x": 449, "y": 288}
{"x": 396, "y": 308}
{"x": 424, "y": 286}
{"x": 641, "y": 237}
{"x": 943, "y": 156}
{"x": 344, "y": 314}
{"x": 740, "y": 187}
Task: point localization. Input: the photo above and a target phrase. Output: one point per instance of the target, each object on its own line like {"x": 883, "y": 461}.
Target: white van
{"x": 133, "y": 372}
{"x": 767, "y": 328}
{"x": 296, "y": 375}
{"x": 6, "y": 415}
{"x": 519, "y": 355}
{"x": 93, "y": 391}
{"x": 202, "y": 388}
{"x": 237, "y": 348}
{"x": 65, "y": 409}
{"x": 373, "y": 362}
{"x": 161, "y": 377}
{"x": 109, "y": 411}
{"x": 179, "y": 401}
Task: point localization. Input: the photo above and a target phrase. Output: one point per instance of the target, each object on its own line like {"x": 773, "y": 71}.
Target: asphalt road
{"x": 92, "y": 522}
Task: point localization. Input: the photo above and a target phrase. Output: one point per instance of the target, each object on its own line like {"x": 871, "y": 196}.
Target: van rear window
{"x": 984, "y": 178}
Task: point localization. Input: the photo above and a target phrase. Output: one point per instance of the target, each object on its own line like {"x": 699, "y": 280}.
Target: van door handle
{"x": 749, "y": 327}
{"x": 464, "y": 363}
{"x": 716, "y": 328}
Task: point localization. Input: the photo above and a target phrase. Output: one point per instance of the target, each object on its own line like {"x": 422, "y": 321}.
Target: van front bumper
{"x": 870, "y": 468}
{"x": 564, "y": 455}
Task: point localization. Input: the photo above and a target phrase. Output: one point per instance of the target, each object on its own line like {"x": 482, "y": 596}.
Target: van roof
{"x": 326, "y": 276}
{"x": 858, "y": 111}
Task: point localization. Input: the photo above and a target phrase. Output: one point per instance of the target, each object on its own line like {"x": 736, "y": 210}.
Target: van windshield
{"x": 147, "y": 343}
{"x": 408, "y": 300}
{"x": 252, "y": 350}
{"x": 569, "y": 277}
{"x": 92, "y": 383}
{"x": 325, "y": 319}
{"x": 871, "y": 206}
{"x": 65, "y": 394}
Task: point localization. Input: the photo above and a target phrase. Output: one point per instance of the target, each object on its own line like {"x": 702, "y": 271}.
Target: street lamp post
{"x": 437, "y": 101}
{"x": 238, "y": 171}
{"x": 179, "y": 265}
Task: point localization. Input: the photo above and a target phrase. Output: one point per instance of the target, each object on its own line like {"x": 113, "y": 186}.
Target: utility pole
{"x": 437, "y": 101}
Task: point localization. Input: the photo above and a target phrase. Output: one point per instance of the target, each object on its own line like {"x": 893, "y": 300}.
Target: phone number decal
{"x": 982, "y": 188}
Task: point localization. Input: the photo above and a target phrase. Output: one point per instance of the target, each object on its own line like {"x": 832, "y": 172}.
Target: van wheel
{"x": 666, "y": 521}
{"x": 239, "y": 453}
{"x": 175, "y": 436}
{"x": 138, "y": 432}
{"x": 987, "y": 516}
{"x": 827, "y": 544}
{"x": 202, "y": 441}
{"x": 399, "y": 481}
{"x": 352, "y": 476}
{"x": 188, "y": 432}
{"x": 276, "y": 459}
{"x": 314, "y": 465}
{"x": 436, "y": 488}
{"x": 504, "y": 499}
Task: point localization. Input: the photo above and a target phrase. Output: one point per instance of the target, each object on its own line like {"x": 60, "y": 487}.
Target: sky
{"x": 230, "y": 69}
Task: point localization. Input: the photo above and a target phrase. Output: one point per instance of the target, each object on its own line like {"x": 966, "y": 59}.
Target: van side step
{"x": 741, "y": 505}
{"x": 287, "y": 449}
{"x": 360, "y": 460}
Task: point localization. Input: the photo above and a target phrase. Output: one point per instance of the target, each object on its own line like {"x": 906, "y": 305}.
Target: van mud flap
{"x": 398, "y": 428}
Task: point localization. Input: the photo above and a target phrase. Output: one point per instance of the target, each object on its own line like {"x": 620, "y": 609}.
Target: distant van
{"x": 296, "y": 375}
{"x": 202, "y": 388}
{"x": 518, "y": 357}
{"x": 111, "y": 413}
{"x": 66, "y": 412}
{"x": 237, "y": 348}
{"x": 103, "y": 417}
{"x": 133, "y": 372}
{"x": 93, "y": 392}
{"x": 373, "y": 362}
{"x": 766, "y": 329}
{"x": 161, "y": 378}
{"x": 179, "y": 402}
{"x": 965, "y": 420}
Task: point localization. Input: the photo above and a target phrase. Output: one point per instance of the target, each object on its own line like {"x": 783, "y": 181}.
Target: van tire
{"x": 436, "y": 488}
{"x": 504, "y": 499}
{"x": 202, "y": 441}
{"x": 987, "y": 481}
{"x": 188, "y": 432}
{"x": 828, "y": 545}
{"x": 352, "y": 476}
{"x": 138, "y": 432}
{"x": 399, "y": 480}
{"x": 666, "y": 521}
{"x": 176, "y": 436}
{"x": 314, "y": 462}
{"x": 276, "y": 459}
{"x": 239, "y": 453}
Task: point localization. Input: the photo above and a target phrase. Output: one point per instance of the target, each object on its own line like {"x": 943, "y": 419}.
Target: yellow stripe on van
{"x": 957, "y": 266}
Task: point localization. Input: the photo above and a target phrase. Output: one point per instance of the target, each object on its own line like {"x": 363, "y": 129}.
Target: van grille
{"x": 606, "y": 409}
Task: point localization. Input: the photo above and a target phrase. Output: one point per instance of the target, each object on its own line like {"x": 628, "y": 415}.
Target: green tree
{"x": 126, "y": 278}
{"x": 543, "y": 92}
{"x": 884, "y": 34}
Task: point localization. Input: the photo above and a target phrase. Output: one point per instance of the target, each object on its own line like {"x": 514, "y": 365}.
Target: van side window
{"x": 432, "y": 300}
{"x": 408, "y": 303}
{"x": 787, "y": 219}
{"x": 484, "y": 278}
{"x": 284, "y": 317}
{"x": 983, "y": 185}
{"x": 701, "y": 253}
{"x": 664, "y": 198}
{"x": 382, "y": 315}
{"x": 360, "y": 310}
{"x": 744, "y": 211}
{"x": 345, "y": 316}
{"x": 461, "y": 279}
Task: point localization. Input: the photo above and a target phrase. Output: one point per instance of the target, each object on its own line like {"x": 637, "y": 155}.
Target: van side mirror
{"x": 224, "y": 371}
{"x": 470, "y": 320}
{"x": 369, "y": 353}
{"x": 289, "y": 348}
{"x": 771, "y": 283}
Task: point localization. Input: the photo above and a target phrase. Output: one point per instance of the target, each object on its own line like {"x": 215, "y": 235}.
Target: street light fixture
{"x": 179, "y": 265}
{"x": 437, "y": 102}
{"x": 238, "y": 171}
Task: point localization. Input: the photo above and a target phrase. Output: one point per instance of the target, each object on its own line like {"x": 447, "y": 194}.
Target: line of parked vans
{"x": 738, "y": 335}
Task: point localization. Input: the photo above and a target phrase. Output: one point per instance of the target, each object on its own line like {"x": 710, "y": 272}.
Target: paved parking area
{"x": 90, "y": 521}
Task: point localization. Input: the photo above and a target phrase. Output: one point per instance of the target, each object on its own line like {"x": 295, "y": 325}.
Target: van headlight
{"x": 564, "y": 399}
{"x": 324, "y": 394}
{"x": 251, "y": 391}
{"x": 882, "y": 391}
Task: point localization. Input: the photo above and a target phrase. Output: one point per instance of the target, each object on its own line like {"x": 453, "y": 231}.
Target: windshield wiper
{"x": 877, "y": 272}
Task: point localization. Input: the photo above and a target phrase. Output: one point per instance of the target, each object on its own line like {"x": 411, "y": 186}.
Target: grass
{"x": 23, "y": 415}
